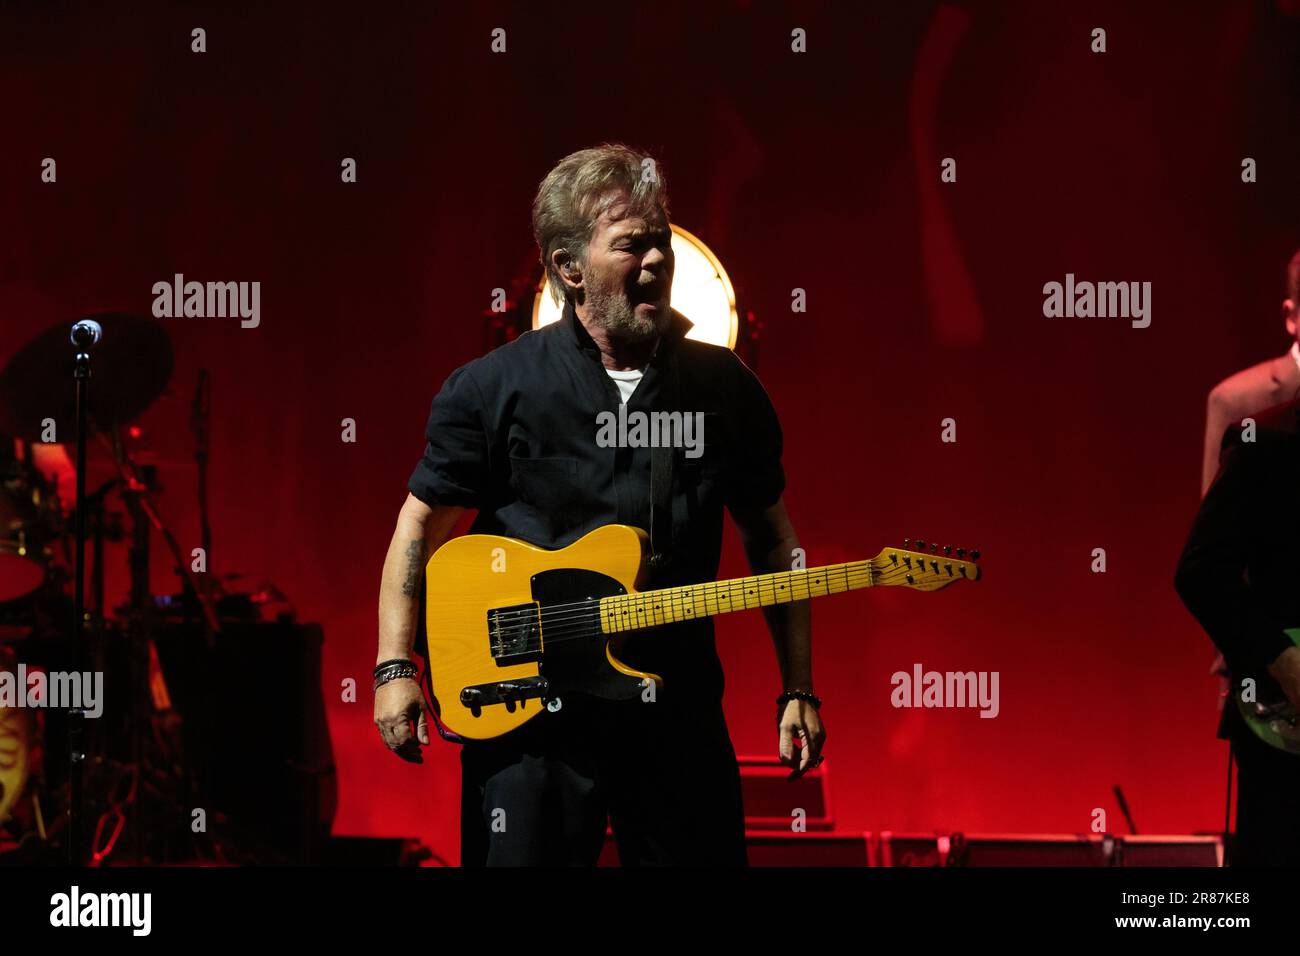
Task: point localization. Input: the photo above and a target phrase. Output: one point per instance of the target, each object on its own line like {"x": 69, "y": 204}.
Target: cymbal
{"x": 129, "y": 368}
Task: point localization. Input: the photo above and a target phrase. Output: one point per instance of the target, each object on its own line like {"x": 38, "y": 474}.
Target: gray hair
{"x": 581, "y": 187}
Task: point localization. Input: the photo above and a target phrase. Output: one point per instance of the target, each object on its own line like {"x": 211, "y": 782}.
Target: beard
{"x": 618, "y": 316}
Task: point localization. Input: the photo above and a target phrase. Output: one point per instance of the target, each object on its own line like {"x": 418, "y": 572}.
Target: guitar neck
{"x": 631, "y": 612}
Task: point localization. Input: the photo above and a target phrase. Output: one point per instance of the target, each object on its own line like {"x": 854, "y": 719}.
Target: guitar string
{"x": 579, "y": 631}
{"x": 722, "y": 592}
{"x": 566, "y": 628}
{"x": 575, "y": 628}
{"x": 850, "y": 567}
{"x": 583, "y": 607}
{"x": 854, "y": 570}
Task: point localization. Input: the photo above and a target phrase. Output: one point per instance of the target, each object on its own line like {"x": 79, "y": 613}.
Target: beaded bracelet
{"x": 790, "y": 695}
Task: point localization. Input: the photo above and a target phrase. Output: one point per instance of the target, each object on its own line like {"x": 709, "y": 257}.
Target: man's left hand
{"x": 802, "y": 736}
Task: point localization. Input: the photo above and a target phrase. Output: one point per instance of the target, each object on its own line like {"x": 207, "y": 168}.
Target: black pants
{"x": 1268, "y": 802}
{"x": 664, "y": 774}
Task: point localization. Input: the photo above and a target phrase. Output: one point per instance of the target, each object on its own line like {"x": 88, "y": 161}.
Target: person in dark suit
{"x": 1256, "y": 388}
{"x": 1245, "y": 393}
{"x": 1238, "y": 575}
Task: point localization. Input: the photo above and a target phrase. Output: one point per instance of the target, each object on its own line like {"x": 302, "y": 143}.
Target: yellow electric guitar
{"x": 512, "y": 626}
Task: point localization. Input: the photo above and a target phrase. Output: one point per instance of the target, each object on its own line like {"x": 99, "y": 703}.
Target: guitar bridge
{"x": 515, "y": 633}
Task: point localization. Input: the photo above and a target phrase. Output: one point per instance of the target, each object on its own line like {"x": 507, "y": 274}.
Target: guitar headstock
{"x": 925, "y": 567}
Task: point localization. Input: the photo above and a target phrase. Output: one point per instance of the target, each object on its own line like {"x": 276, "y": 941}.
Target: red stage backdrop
{"x": 817, "y": 171}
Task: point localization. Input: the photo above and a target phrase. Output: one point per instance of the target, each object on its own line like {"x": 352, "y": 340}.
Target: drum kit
{"x": 138, "y": 739}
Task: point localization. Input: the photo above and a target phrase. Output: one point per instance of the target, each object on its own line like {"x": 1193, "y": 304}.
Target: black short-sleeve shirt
{"x": 514, "y": 435}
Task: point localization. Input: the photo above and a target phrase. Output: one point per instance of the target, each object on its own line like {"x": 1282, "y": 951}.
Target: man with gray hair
{"x": 512, "y": 435}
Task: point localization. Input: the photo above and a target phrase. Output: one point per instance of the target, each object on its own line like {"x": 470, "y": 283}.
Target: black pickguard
{"x": 573, "y": 655}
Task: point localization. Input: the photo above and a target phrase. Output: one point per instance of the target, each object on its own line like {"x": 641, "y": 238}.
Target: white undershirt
{"x": 626, "y": 381}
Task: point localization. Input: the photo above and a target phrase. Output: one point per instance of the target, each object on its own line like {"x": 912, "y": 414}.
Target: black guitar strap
{"x": 662, "y": 461}
{"x": 661, "y": 524}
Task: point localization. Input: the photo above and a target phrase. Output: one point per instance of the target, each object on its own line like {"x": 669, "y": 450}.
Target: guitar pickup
{"x": 508, "y": 692}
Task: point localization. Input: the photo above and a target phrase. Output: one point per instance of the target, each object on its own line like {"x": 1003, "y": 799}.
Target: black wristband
{"x": 384, "y": 665}
{"x": 394, "y": 670}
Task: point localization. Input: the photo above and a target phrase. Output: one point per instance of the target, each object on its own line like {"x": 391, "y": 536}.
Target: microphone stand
{"x": 84, "y": 337}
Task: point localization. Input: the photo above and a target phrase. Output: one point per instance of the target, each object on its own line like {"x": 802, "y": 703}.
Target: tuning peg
{"x": 975, "y": 555}
{"x": 947, "y": 550}
{"x": 920, "y": 545}
{"x": 907, "y": 544}
{"x": 961, "y": 553}
{"x": 934, "y": 548}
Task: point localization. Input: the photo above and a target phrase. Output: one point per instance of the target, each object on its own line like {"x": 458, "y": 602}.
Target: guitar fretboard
{"x": 631, "y": 612}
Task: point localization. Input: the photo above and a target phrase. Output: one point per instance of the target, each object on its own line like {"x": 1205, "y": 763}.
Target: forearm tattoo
{"x": 414, "y": 568}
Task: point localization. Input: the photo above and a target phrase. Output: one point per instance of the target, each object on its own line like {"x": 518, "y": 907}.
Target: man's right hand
{"x": 398, "y": 705}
